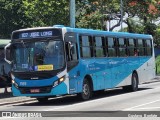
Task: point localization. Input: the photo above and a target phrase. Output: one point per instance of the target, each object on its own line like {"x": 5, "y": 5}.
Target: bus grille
{"x": 33, "y": 90}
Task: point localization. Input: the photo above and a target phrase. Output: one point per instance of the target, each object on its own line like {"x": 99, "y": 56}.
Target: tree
{"x": 47, "y": 12}
{"x": 12, "y": 17}
{"x": 146, "y": 10}
{"x": 17, "y": 14}
{"x": 88, "y": 15}
{"x": 140, "y": 15}
{"x": 157, "y": 36}
{"x": 93, "y": 13}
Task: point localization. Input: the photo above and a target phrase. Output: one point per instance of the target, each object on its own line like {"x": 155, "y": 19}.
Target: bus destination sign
{"x": 35, "y": 34}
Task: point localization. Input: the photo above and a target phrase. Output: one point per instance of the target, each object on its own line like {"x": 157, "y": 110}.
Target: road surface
{"x": 116, "y": 103}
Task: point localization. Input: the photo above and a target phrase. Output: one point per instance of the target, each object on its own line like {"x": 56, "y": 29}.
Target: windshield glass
{"x": 38, "y": 56}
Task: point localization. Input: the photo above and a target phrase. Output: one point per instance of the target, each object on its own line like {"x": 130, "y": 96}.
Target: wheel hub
{"x": 85, "y": 89}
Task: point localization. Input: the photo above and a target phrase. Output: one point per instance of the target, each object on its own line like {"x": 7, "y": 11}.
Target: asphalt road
{"x": 111, "y": 103}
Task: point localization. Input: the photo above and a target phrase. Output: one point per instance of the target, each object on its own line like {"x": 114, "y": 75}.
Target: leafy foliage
{"x": 94, "y": 13}
{"x": 157, "y": 36}
{"x": 16, "y": 14}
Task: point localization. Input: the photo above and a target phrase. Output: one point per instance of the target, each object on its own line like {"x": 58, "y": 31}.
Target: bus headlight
{"x": 60, "y": 80}
{"x": 14, "y": 83}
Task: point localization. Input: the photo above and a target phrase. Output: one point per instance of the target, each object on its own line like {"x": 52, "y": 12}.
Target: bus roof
{"x": 109, "y": 33}
{"x": 4, "y": 42}
{"x": 92, "y": 32}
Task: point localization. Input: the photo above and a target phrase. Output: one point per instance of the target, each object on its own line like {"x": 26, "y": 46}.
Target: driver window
{"x": 71, "y": 51}
{"x": 74, "y": 52}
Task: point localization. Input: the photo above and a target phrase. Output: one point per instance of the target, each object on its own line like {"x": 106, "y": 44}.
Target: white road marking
{"x": 142, "y": 105}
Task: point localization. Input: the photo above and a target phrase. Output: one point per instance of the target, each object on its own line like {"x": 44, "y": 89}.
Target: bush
{"x": 158, "y": 64}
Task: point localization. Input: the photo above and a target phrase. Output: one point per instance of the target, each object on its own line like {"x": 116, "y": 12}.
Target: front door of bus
{"x": 72, "y": 61}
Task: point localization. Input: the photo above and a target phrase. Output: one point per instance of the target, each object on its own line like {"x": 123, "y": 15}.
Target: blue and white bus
{"x": 58, "y": 60}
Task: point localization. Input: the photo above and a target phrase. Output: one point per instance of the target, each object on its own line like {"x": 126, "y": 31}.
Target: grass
{"x": 158, "y": 64}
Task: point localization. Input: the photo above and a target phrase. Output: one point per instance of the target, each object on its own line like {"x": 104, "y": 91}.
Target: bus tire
{"x": 134, "y": 84}
{"x": 86, "y": 90}
{"x": 45, "y": 99}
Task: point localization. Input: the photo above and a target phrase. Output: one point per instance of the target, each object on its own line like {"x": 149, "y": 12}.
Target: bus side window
{"x": 74, "y": 51}
{"x": 131, "y": 47}
{"x": 68, "y": 54}
{"x": 122, "y": 47}
{"x": 140, "y": 47}
{"x": 111, "y": 47}
{"x": 71, "y": 46}
{"x": 148, "y": 48}
{"x": 99, "y": 47}
{"x": 136, "y": 52}
{"x": 71, "y": 51}
{"x": 126, "y": 45}
{"x": 104, "y": 46}
{"x": 86, "y": 46}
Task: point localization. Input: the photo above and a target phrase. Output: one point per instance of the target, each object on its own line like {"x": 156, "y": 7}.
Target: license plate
{"x": 34, "y": 90}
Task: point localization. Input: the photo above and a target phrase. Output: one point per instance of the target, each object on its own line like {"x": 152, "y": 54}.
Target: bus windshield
{"x": 44, "y": 55}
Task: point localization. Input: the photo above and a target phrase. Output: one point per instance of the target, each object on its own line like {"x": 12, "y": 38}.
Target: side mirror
{"x": 7, "y": 54}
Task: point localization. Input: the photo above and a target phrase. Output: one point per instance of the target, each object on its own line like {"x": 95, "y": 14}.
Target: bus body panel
{"x": 109, "y": 74}
{"x": 145, "y": 73}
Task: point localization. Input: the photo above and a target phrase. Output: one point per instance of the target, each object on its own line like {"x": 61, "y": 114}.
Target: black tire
{"x": 86, "y": 90}
{"x": 45, "y": 99}
{"x": 134, "y": 84}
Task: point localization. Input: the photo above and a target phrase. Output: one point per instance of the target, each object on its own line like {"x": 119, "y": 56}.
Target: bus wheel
{"x": 86, "y": 90}
{"x": 45, "y": 99}
{"x": 134, "y": 85}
